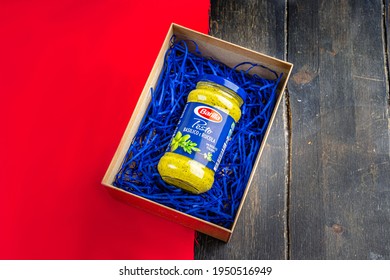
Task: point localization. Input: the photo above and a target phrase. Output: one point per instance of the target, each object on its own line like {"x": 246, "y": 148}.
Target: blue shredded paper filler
{"x": 182, "y": 68}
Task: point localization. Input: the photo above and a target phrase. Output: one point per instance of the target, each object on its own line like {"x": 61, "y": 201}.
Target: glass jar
{"x": 202, "y": 134}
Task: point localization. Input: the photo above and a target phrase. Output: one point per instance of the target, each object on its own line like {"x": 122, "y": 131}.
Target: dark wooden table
{"x": 322, "y": 189}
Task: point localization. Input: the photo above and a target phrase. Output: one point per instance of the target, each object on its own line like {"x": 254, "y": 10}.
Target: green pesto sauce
{"x": 186, "y": 173}
{"x": 218, "y": 98}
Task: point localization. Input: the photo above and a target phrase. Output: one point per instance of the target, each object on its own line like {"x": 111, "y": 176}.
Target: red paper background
{"x": 70, "y": 75}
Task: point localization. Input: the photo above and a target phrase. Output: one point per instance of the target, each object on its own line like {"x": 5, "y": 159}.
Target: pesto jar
{"x": 202, "y": 134}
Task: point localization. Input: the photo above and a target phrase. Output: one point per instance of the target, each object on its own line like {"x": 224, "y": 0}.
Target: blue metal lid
{"x": 224, "y": 82}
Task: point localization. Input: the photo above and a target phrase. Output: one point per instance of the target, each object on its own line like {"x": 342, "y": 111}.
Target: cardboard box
{"x": 227, "y": 53}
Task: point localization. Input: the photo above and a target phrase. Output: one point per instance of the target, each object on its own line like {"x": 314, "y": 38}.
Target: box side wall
{"x": 171, "y": 214}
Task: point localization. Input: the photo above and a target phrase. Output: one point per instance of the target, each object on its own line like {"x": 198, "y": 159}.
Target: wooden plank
{"x": 386, "y": 27}
{"x": 340, "y": 184}
{"x": 261, "y": 228}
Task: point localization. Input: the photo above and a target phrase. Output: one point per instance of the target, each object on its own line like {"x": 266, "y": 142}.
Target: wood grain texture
{"x": 386, "y": 38}
{"x": 340, "y": 184}
{"x": 261, "y": 229}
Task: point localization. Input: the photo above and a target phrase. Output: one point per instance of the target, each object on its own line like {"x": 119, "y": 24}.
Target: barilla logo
{"x": 208, "y": 114}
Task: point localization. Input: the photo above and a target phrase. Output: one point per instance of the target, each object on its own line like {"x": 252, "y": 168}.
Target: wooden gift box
{"x": 220, "y": 50}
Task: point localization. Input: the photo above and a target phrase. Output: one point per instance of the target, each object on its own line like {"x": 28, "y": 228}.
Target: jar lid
{"x": 224, "y": 82}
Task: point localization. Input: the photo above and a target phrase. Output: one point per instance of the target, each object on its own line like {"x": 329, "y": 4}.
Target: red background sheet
{"x": 70, "y": 75}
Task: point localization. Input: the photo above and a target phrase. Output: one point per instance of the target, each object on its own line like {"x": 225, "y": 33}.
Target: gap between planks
{"x": 385, "y": 47}
{"x": 288, "y": 131}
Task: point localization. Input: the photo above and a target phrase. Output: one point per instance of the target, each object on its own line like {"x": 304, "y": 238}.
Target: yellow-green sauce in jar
{"x": 202, "y": 134}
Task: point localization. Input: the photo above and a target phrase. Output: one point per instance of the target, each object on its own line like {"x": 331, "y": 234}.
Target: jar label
{"x": 202, "y": 134}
